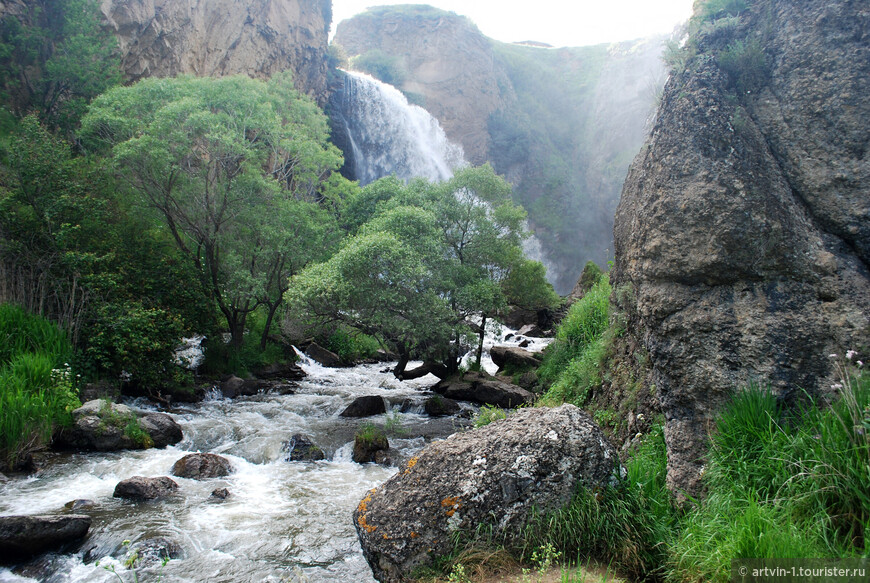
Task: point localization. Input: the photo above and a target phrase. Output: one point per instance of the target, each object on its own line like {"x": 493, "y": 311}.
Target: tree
{"x": 425, "y": 269}
{"x": 235, "y": 168}
{"x": 55, "y": 58}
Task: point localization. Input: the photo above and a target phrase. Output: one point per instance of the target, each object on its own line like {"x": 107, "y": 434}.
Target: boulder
{"x": 300, "y": 448}
{"x": 323, "y": 356}
{"x": 531, "y": 331}
{"x": 220, "y": 494}
{"x": 512, "y": 356}
{"x": 498, "y": 475}
{"x": 202, "y": 466}
{"x": 439, "y": 406}
{"x": 140, "y": 488}
{"x": 483, "y": 389}
{"x": 365, "y": 407}
{"x": 22, "y": 537}
{"x": 367, "y": 447}
{"x": 232, "y": 387}
{"x": 742, "y": 237}
{"x": 162, "y": 428}
{"x": 101, "y": 425}
{"x": 283, "y": 371}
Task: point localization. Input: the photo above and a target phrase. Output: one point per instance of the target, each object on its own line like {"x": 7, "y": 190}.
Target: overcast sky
{"x": 556, "y": 22}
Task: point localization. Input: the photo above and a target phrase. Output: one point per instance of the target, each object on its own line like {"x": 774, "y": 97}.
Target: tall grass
{"x": 586, "y": 322}
{"x": 36, "y": 391}
{"x": 627, "y": 527}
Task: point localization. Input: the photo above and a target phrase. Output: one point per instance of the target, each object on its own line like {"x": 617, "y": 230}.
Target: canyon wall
{"x": 743, "y": 230}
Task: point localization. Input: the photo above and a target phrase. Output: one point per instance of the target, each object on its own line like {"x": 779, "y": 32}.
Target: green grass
{"x": 36, "y": 389}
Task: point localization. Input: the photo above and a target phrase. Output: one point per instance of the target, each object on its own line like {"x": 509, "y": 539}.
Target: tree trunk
{"x": 482, "y": 334}
{"x": 272, "y": 309}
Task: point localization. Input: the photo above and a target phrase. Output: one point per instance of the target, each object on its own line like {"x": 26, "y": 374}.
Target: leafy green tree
{"x": 235, "y": 169}
{"x": 425, "y": 268}
{"x": 55, "y": 58}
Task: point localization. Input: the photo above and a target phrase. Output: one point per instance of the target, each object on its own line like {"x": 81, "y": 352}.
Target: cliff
{"x": 561, "y": 124}
{"x": 163, "y": 38}
{"x": 743, "y": 229}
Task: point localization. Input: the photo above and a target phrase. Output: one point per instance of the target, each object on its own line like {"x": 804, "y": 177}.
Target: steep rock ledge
{"x": 164, "y": 38}
{"x": 743, "y": 224}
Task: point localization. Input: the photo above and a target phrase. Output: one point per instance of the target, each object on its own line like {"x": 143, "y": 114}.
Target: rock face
{"x": 100, "y": 425}
{"x": 164, "y": 38}
{"x": 24, "y": 536}
{"x": 483, "y": 389}
{"x": 743, "y": 228}
{"x": 202, "y": 466}
{"x": 139, "y": 488}
{"x": 561, "y": 124}
{"x": 493, "y": 475}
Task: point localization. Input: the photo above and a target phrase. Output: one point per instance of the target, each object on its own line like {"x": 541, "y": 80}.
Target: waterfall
{"x": 385, "y": 134}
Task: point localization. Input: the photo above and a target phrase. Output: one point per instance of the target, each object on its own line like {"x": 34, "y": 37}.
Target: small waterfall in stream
{"x": 384, "y": 134}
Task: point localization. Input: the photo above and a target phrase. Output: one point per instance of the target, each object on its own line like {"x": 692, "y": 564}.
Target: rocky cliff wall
{"x": 163, "y": 38}
{"x": 743, "y": 224}
{"x": 561, "y": 124}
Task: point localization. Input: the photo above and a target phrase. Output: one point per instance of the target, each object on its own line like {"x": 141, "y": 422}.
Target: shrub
{"x": 380, "y": 65}
{"x": 488, "y": 414}
{"x": 746, "y": 65}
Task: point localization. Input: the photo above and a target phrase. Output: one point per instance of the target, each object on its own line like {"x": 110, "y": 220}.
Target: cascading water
{"x": 387, "y": 135}
{"x": 283, "y": 521}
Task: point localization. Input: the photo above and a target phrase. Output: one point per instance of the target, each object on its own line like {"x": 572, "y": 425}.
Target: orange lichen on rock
{"x": 363, "y": 505}
{"x": 414, "y": 534}
{"x": 369, "y": 528}
{"x": 411, "y": 463}
{"x": 452, "y": 504}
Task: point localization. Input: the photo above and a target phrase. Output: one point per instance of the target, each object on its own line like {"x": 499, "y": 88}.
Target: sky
{"x": 555, "y": 22}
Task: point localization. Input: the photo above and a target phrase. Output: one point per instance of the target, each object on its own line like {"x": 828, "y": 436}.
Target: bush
{"x": 380, "y": 65}
{"x": 488, "y": 414}
{"x": 351, "y": 345}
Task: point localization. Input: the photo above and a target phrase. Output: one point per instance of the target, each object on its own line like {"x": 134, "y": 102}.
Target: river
{"x": 283, "y": 521}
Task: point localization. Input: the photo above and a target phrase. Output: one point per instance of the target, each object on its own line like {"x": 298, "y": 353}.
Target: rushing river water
{"x": 283, "y": 521}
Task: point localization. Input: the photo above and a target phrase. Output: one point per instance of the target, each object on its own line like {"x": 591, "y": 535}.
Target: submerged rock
{"x": 202, "y": 466}
{"x": 483, "y": 389}
{"x": 365, "y": 407}
{"x": 497, "y": 475}
{"x": 154, "y": 551}
{"x": 220, "y": 494}
{"x": 140, "y": 488}
{"x": 22, "y": 537}
{"x": 300, "y": 448}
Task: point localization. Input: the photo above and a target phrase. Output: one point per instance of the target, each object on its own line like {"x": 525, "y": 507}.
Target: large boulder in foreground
{"x": 497, "y": 474}
{"x": 101, "y": 425}
{"x": 480, "y": 388}
{"x": 24, "y": 536}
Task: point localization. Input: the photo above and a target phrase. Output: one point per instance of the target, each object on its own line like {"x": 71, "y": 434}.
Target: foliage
{"x": 579, "y": 333}
{"x": 370, "y": 434}
{"x": 37, "y": 386}
{"x": 351, "y": 345}
{"x": 55, "y": 58}
{"x": 133, "y": 343}
{"x": 710, "y": 10}
{"x": 235, "y": 168}
{"x": 425, "y": 260}
{"x": 626, "y": 527}
{"x": 388, "y": 68}
{"x": 488, "y": 414}
{"x": 746, "y": 65}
